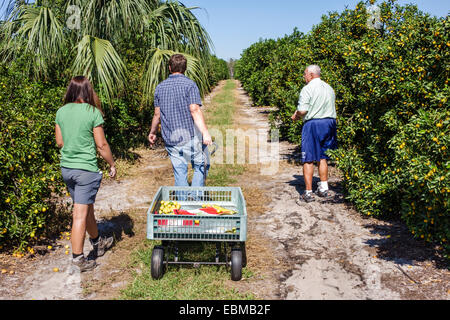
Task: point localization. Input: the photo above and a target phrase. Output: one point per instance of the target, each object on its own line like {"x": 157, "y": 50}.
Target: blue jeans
{"x": 197, "y": 154}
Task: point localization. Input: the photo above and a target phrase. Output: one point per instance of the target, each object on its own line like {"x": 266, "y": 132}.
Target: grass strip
{"x": 185, "y": 282}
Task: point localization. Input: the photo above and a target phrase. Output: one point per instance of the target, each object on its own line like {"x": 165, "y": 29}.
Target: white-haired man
{"x": 317, "y": 108}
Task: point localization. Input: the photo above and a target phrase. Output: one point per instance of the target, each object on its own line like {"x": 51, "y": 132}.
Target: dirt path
{"x": 321, "y": 250}
{"x": 325, "y": 249}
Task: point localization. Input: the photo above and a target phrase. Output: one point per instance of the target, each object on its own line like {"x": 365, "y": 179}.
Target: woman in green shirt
{"x": 79, "y": 133}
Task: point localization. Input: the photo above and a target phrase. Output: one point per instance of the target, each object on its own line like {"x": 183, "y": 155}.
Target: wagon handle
{"x": 216, "y": 147}
{"x": 211, "y": 153}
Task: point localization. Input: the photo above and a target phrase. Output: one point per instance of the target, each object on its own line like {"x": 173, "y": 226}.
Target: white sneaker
{"x": 323, "y": 193}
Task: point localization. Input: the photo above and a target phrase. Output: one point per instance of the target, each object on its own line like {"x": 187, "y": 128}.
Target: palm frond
{"x": 156, "y": 70}
{"x": 174, "y": 27}
{"x": 112, "y": 18}
{"x": 8, "y": 6}
{"x": 38, "y": 32}
{"x": 98, "y": 60}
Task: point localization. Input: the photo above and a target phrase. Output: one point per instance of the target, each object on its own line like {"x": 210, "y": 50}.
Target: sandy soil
{"x": 325, "y": 250}
{"x": 321, "y": 250}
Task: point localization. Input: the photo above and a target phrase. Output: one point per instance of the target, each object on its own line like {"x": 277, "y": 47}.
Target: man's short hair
{"x": 314, "y": 69}
{"x": 178, "y": 63}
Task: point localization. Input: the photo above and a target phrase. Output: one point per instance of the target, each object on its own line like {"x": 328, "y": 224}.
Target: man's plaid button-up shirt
{"x": 174, "y": 96}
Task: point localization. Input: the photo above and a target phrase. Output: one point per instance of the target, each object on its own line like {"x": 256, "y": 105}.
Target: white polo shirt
{"x": 318, "y": 99}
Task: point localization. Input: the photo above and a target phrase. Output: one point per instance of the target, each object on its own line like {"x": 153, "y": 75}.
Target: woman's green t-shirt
{"x": 77, "y": 122}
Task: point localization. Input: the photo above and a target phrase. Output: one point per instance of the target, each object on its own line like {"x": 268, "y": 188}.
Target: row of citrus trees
{"x": 392, "y": 91}
{"x": 123, "y": 64}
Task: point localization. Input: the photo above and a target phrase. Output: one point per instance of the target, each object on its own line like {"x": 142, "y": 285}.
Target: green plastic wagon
{"x": 229, "y": 232}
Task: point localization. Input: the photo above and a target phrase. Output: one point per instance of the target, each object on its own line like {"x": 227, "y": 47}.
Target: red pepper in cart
{"x": 209, "y": 210}
{"x": 183, "y": 213}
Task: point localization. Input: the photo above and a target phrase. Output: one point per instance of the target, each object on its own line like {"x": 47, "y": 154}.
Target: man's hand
{"x": 207, "y": 140}
{"x": 298, "y": 115}
{"x": 152, "y": 138}
{"x": 199, "y": 121}
{"x": 155, "y": 124}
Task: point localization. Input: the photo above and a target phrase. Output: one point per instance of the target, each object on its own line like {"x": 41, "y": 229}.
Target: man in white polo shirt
{"x": 317, "y": 108}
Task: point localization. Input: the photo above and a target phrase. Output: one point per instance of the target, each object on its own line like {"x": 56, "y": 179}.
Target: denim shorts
{"x": 318, "y": 136}
{"x": 82, "y": 185}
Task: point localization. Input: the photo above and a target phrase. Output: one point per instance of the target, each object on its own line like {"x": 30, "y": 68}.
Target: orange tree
{"x": 217, "y": 70}
{"x": 392, "y": 94}
{"x": 29, "y": 169}
{"x": 254, "y": 72}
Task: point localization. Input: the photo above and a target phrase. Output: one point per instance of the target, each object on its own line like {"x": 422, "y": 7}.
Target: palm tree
{"x": 86, "y": 36}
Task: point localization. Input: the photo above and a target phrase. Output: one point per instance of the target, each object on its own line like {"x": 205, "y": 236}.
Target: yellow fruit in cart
{"x": 221, "y": 210}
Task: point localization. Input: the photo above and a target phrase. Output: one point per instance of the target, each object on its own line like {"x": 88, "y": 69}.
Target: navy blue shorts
{"x": 318, "y": 136}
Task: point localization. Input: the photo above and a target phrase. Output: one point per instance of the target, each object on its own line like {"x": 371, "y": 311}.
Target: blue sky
{"x": 236, "y": 24}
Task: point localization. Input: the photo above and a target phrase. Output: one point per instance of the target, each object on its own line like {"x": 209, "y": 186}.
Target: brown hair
{"x": 80, "y": 90}
{"x": 177, "y": 63}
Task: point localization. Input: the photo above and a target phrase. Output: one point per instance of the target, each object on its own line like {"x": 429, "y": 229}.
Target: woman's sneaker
{"x": 102, "y": 244}
{"x": 83, "y": 264}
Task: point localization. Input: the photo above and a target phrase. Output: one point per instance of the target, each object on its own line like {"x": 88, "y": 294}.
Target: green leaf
{"x": 156, "y": 67}
{"x": 98, "y": 60}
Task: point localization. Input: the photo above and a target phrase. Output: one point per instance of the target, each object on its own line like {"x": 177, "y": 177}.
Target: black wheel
{"x": 236, "y": 264}
{"x": 244, "y": 255}
{"x": 157, "y": 266}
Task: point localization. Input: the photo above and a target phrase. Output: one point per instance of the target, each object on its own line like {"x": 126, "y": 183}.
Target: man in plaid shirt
{"x": 177, "y": 106}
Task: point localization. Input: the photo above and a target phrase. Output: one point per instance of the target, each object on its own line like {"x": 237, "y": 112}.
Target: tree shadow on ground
{"x": 398, "y": 245}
